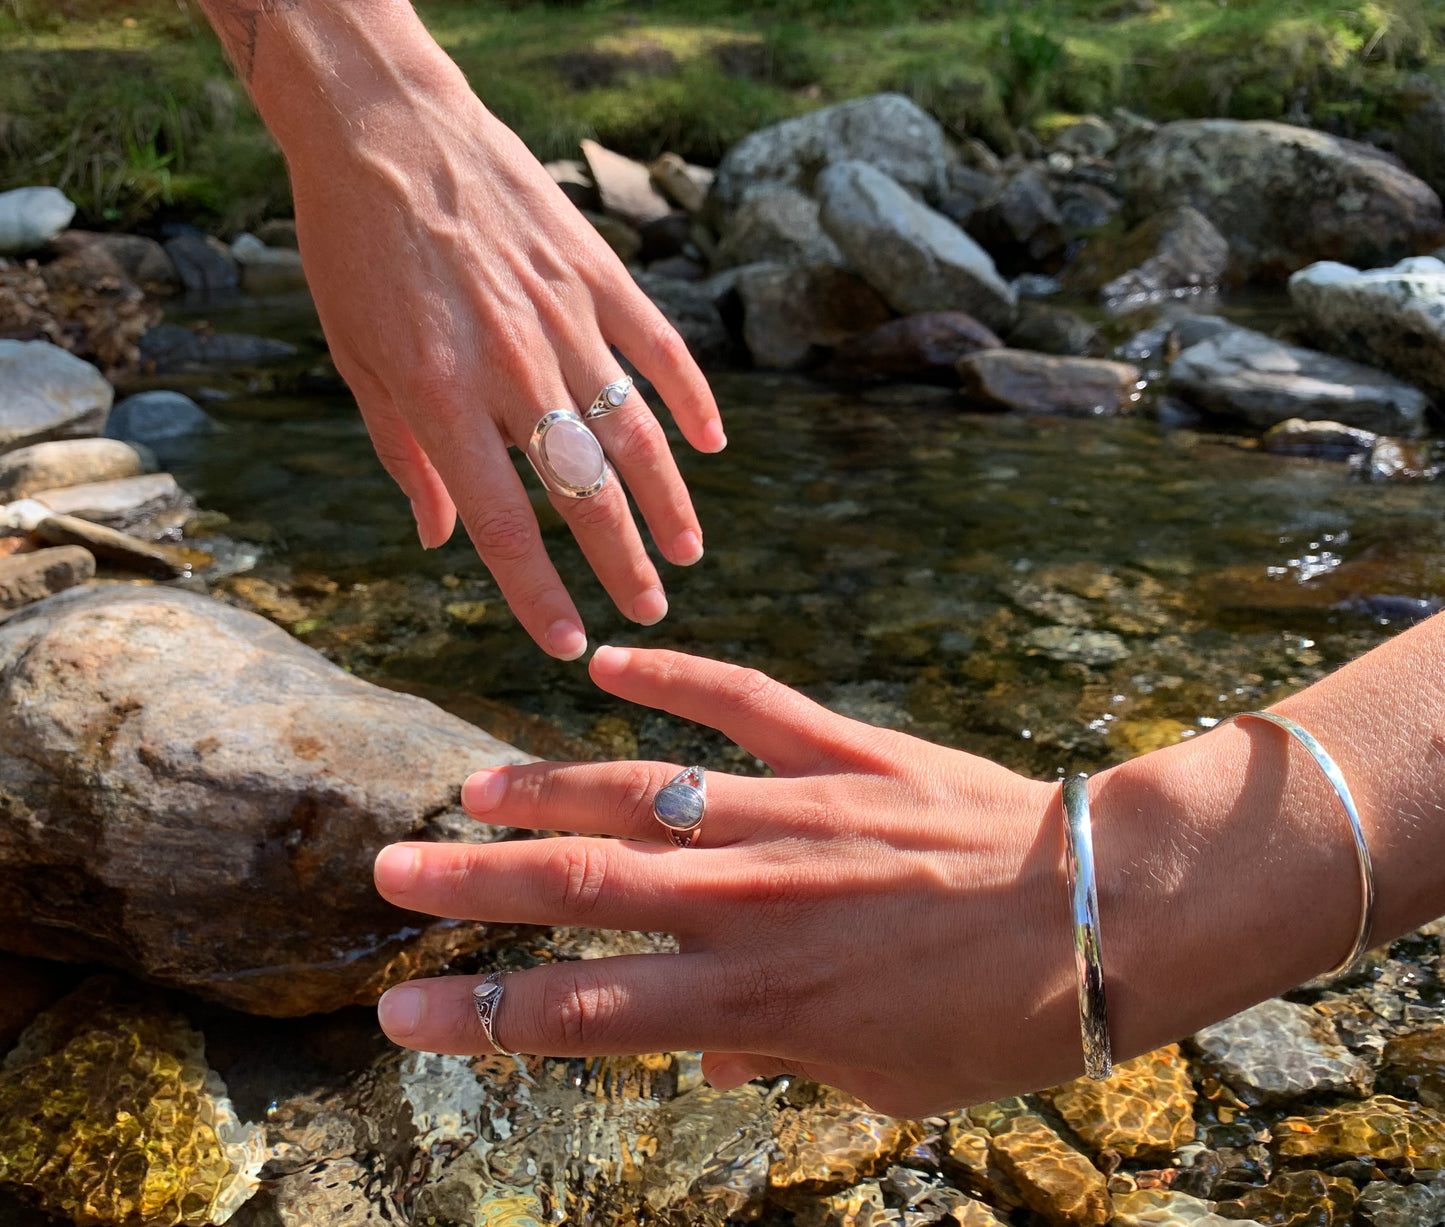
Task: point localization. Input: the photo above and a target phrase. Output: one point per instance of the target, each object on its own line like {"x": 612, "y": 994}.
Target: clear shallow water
{"x": 901, "y": 561}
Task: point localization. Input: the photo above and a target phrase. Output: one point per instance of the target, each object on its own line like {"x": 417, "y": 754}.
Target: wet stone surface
{"x": 1146, "y": 1108}
{"x": 1055, "y": 1180}
{"x": 1296, "y": 1199}
{"x": 1393, "y": 1132}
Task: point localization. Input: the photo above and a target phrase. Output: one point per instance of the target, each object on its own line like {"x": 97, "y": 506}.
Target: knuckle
{"x": 434, "y": 383}
{"x": 634, "y": 794}
{"x": 505, "y": 535}
{"x": 580, "y": 876}
{"x": 637, "y": 439}
{"x": 750, "y": 692}
{"x": 577, "y": 1010}
{"x": 591, "y": 513}
{"x": 669, "y": 350}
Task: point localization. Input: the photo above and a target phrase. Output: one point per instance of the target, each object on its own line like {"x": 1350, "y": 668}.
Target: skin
{"x": 463, "y": 296}
{"x": 891, "y": 917}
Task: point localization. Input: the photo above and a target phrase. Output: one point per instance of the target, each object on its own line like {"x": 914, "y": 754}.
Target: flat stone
{"x": 681, "y": 182}
{"x": 573, "y": 454}
{"x": 916, "y": 258}
{"x": 122, "y": 503}
{"x": 197, "y": 798}
{"x": 1074, "y": 644}
{"x": 624, "y": 186}
{"x": 1295, "y": 1199}
{"x": 777, "y": 224}
{"x": 69, "y": 462}
{"x": 1246, "y": 375}
{"x": 1328, "y": 440}
{"x": 1393, "y": 1132}
{"x": 1279, "y": 1050}
{"x": 923, "y": 346}
{"x": 25, "y": 578}
{"x": 792, "y": 316}
{"x": 205, "y": 265}
{"x": 31, "y": 216}
{"x": 1055, "y": 1180}
{"x": 47, "y": 393}
{"x": 108, "y": 545}
{"x": 835, "y": 1142}
{"x": 1029, "y": 382}
{"x": 1145, "y": 1110}
{"x": 1163, "y": 1208}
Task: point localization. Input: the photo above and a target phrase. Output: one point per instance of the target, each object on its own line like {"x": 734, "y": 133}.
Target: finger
{"x": 402, "y": 457}
{"x": 597, "y": 1007}
{"x": 569, "y": 880}
{"x": 793, "y": 735}
{"x": 473, "y": 462}
{"x": 615, "y": 799}
{"x": 633, "y": 323}
{"x": 634, "y": 440}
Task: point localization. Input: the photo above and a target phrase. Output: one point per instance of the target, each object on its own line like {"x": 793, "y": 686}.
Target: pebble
{"x": 1055, "y": 1180}
{"x": 1072, "y": 643}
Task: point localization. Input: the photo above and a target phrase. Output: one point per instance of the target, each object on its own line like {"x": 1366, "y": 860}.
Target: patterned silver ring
{"x": 610, "y": 399}
{"x": 681, "y": 805}
{"x": 487, "y": 996}
{"x": 566, "y": 455}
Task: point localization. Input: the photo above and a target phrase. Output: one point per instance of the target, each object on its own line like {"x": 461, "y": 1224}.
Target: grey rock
{"x": 1393, "y": 318}
{"x": 886, "y": 131}
{"x": 172, "y": 347}
{"x": 789, "y": 314}
{"x": 778, "y": 225}
{"x": 1021, "y": 224}
{"x": 1054, "y": 330}
{"x": 122, "y": 503}
{"x": 267, "y": 270}
{"x": 1195, "y": 328}
{"x": 70, "y": 462}
{"x": 25, "y": 578}
{"x": 166, "y": 422}
{"x": 204, "y": 265}
{"x": 967, "y": 191}
{"x": 278, "y": 232}
{"x": 925, "y": 346}
{"x": 691, "y": 308}
{"x": 1382, "y": 1204}
{"x": 1283, "y": 196}
{"x": 916, "y": 258}
{"x": 47, "y": 393}
{"x": 31, "y": 216}
{"x": 194, "y": 797}
{"x": 1072, "y": 644}
{"x": 1088, "y": 137}
{"x": 1028, "y": 382}
{"x": 1246, "y": 375}
{"x": 1086, "y": 206}
{"x": 131, "y": 256}
{"x": 1279, "y": 1050}
{"x": 1173, "y": 253}
{"x": 1327, "y": 440}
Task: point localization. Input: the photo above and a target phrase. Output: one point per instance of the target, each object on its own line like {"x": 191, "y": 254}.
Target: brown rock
{"x": 1145, "y": 1110}
{"x": 25, "y": 578}
{"x": 1394, "y": 1132}
{"x": 66, "y": 462}
{"x": 926, "y": 345}
{"x": 685, "y": 185}
{"x": 1045, "y": 383}
{"x": 1415, "y": 1065}
{"x": 791, "y": 314}
{"x": 624, "y": 186}
{"x": 834, "y": 1143}
{"x": 189, "y": 794}
{"x": 129, "y": 256}
{"x": 1296, "y": 1199}
{"x": 1174, "y": 252}
{"x": 111, "y": 546}
{"x": 1055, "y": 1180}
{"x": 966, "y": 1159}
{"x": 278, "y": 232}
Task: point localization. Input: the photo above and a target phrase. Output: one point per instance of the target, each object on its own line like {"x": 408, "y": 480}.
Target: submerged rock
{"x": 173, "y": 347}
{"x": 1279, "y": 1050}
{"x": 1295, "y": 1199}
{"x": 1073, "y": 644}
{"x": 1329, "y": 440}
{"x": 165, "y": 422}
{"x": 1030, "y": 382}
{"x": 47, "y": 393}
{"x": 1404, "y": 460}
{"x": 835, "y": 1142}
{"x": 1415, "y": 1065}
{"x": 68, "y": 462}
{"x": 1383, "y": 1204}
{"x": 1145, "y": 1109}
{"x": 1164, "y": 1208}
{"x": 1393, "y": 1132}
{"x": 116, "y": 1088}
{"x": 1055, "y": 1180}
{"x": 192, "y": 795}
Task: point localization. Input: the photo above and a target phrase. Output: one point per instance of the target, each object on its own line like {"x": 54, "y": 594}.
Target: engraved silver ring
{"x": 610, "y": 399}
{"x": 487, "y": 996}
{"x": 681, "y": 805}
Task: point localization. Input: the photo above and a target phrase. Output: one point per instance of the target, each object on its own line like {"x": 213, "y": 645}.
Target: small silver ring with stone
{"x": 610, "y": 399}
{"x": 566, "y": 455}
{"x": 681, "y": 804}
{"x": 487, "y": 996}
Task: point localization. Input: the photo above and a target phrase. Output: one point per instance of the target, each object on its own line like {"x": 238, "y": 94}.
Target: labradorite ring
{"x": 680, "y": 805}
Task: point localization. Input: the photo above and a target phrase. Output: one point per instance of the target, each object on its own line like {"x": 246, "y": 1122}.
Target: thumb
{"x": 402, "y": 456}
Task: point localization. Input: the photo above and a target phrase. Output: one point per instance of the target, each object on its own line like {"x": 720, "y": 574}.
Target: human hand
{"x": 888, "y": 916}
{"x": 463, "y": 296}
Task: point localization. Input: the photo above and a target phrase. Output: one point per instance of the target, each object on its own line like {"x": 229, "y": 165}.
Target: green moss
{"x": 128, "y": 105}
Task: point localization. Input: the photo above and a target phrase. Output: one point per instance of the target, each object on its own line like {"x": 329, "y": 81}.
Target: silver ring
{"x": 610, "y": 399}
{"x": 487, "y": 996}
{"x": 681, "y": 804}
{"x": 566, "y": 455}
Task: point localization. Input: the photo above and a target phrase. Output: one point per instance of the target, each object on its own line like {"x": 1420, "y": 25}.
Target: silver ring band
{"x": 1084, "y": 906}
{"x": 566, "y": 455}
{"x": 681, "y": 805}
{"x": 610, "y": 399}
{"x": 487, "y": 996}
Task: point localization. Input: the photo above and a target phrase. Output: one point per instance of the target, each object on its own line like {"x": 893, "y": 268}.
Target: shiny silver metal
{"x": 1336, "y": 778}
{"x": 487, "y": 996}
{"x": 537, "y": 455}
{"x": 1084, "y": 906}
{"x": 610, "y": 399}
{"x": 681, "y": 805}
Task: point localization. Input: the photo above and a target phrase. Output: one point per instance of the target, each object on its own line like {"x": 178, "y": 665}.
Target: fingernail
{"x": 608, "y": 661}
{"x": 484, "y": 791}
{"x": 724, "y": 1076}
{"x": 713, "y": 439}
{"x": 687, "y": 549}
{"x": 651, "y": 607}
{"x": 566, "y": 640}
{"x": 399, "y": 1010}
{"x": 426, "y": 544}
{"x": 395, "y": 868}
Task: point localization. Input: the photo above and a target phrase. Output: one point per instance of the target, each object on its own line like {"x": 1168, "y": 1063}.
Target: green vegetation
{"x": 128, "y": 106}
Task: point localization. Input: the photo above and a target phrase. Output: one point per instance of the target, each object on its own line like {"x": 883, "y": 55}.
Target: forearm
{"x": 1227, "y": 868}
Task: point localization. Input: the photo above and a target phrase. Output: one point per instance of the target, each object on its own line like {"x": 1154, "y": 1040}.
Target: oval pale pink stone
{"x": 573, "y": 454}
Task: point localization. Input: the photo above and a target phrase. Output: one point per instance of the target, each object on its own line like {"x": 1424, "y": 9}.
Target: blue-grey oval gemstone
{"x": 678, "y": 806}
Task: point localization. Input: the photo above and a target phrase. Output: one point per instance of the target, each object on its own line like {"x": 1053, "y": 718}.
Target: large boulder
{"x": 189, "y": 794}
{"x": 1391, "y": 317}
{"x": 790, "y": 314}
{"x": 47, "y": 393}
{"x": 888, "y": 131}
{"x": 1283, "y": 196}
{"x": 1243, "y": 374}
{"x": 915, "y": 257}
{"x": 777, "y": 225}
{"x": 31, "y": 216}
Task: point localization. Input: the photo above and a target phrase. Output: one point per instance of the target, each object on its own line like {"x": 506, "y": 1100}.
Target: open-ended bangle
{"x": 1084, "y": 903}
{"x": 1362, "y": 853}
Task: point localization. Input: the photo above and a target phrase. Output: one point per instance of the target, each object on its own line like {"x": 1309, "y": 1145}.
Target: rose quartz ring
{"x": 567, "y": 456}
